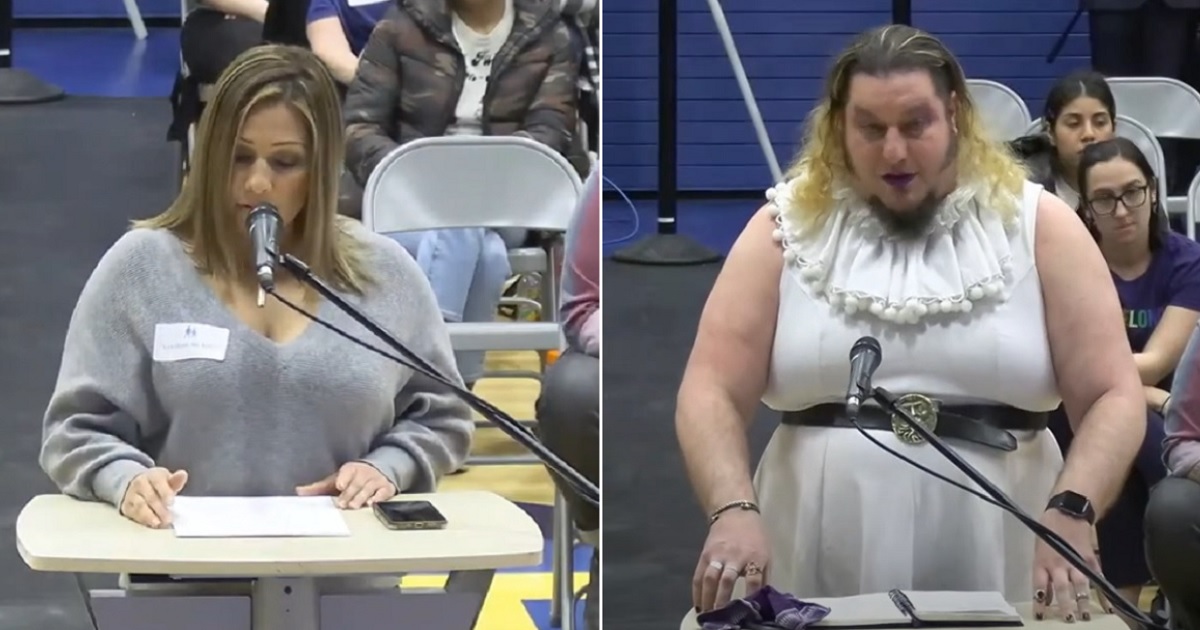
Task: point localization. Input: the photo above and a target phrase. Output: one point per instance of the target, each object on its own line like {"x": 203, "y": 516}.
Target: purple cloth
{"x": 766, "y": 608}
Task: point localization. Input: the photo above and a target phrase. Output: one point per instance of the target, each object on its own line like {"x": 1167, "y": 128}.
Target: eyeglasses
{"x": 1131, "y": 199}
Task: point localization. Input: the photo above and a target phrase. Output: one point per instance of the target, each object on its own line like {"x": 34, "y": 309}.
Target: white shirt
{"x": 478, "y": 50}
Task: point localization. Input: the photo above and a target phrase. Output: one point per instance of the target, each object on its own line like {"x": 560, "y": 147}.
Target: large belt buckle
{"x": 921, "y": 408}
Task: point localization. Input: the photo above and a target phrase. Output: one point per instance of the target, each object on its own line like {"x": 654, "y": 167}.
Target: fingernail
{"x": 1070, "y": 617}
{"x": 1039, "y": 595}
{"x": 1109, "y": 610}
{"x": 697, "y": 609}
{"x": 1085, "y": 615}
{"x": 1037, "y": 616}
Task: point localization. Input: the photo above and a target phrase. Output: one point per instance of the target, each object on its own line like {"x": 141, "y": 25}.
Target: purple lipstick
{"x": 899, "y": 180}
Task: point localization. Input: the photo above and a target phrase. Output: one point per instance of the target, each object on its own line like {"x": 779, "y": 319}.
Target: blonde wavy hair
{"x": 823, "y": 162}
{"x": 202, "y": 216}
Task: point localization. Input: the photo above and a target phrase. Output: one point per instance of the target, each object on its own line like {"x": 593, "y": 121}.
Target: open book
{"x": 919, "y": 608}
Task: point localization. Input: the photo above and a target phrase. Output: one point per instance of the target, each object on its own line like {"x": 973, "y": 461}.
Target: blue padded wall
{"x": 91, "y": 8}
{"x": 786, "y": 47}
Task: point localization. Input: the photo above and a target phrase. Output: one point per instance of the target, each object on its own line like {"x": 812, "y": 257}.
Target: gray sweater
{"x": 266, "y": 418}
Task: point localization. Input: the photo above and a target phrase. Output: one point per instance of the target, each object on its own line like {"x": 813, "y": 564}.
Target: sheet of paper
{"x": 256, "y": 517}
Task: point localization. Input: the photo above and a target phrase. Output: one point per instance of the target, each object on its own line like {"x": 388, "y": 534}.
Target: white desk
{"x": 274, "y": 582}
{"x": 1099, "y": 621}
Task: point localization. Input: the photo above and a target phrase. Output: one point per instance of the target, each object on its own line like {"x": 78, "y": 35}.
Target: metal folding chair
{"x": 480, "y": 181}
{"x": 1001, "y": 109}
{"x": 1170, "y": 108}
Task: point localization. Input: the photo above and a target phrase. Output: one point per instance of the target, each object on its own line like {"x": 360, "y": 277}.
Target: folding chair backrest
{"x": 471, "y": 181}
{"x": 1168, "y": 107}
{"x": 1143, "y": 137}
{"x": 1000, "y": 109}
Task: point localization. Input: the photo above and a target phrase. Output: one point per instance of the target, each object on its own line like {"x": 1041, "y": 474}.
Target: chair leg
{"x": 562, "y": 610}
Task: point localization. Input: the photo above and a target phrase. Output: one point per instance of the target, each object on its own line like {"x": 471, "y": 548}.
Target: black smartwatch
{"x": 1074, "y": 505}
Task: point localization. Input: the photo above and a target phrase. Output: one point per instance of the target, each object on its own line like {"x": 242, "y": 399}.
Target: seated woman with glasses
{"x": 1157, "y": 275}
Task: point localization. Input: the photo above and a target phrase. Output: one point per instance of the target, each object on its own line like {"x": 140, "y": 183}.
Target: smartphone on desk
{"x": 408, "y": 515}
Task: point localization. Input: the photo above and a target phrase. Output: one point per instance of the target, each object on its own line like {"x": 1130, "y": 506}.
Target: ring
{"x": 716, "y": 564}
{"x": 753, "y": 569}
{"x": 1082, "y": 595}
{"x": 735, "y": 570}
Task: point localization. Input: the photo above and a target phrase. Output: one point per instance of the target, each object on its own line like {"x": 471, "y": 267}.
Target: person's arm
{"x": 1156, "y": 398}
{"x": 253, "y": 9}
{"x": 1182, "y": 418}
{"x": 91, "y": 425}
{"x": 433, "y": 430}
{"x": 328, "y": 40}
{"x": 727, "y": 371}
{"x": 1093, "y": 364}
{"x": 551, "y": 118}
{"x": 581, "y": 273}
{"x": 372, "y": 99}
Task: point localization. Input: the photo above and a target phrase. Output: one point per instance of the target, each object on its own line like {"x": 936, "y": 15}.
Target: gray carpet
{"x": 72, "y": 175}
{"x": 653, "y": 526}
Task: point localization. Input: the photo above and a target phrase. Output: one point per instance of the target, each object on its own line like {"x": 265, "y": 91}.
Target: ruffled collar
{"x": 853, "y": 262}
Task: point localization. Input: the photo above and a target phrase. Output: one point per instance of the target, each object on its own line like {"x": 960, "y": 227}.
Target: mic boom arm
{"x": 589, "y": 491}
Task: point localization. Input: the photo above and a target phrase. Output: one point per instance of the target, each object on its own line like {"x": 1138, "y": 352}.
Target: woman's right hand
{"x": 736, "y": 547}
{"x": 148, "y": 499}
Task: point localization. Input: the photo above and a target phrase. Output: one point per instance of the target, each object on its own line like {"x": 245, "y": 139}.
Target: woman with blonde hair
{"x": 175, "y": 380}
{"x": 901, "y": 221}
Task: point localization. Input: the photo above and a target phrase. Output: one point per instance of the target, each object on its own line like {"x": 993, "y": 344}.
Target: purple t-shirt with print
{"x": 1173, "y": 279}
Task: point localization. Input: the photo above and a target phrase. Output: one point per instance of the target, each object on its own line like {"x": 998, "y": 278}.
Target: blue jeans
{"x": 467, "y": 268}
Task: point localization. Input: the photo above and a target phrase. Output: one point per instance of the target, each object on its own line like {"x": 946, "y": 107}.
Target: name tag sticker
{"x": 181, "y": 342}
{"x": 364, "y": 3}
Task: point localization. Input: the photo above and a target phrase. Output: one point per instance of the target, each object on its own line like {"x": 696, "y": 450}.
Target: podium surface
{"x": 483, "y": 531}
{"x": 282, "y": 579}
{"x": 1100, "y": 621}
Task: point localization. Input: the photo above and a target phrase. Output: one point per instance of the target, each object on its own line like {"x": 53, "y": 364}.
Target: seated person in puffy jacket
{"x": 470, "y": 67}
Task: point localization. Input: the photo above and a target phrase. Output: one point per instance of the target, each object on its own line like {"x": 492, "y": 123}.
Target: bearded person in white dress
{"x": 903, "y": 220}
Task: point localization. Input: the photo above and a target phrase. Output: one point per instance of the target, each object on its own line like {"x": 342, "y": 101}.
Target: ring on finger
{"x": 1081, "y": 595}
{"x": 752, "y": 569}
{"x": 729, "y": 568}
{"x": 716, "y": 564}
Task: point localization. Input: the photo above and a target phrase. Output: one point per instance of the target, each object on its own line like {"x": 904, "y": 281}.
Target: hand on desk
{"x": 355, "y": 485}
{"x": 1059, "y": 588}
{"x": 148, "y": 499}
{"x": 736, "y": 547}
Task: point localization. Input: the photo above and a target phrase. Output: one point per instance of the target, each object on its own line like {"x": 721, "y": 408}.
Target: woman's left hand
{"x": 355, "y": 484}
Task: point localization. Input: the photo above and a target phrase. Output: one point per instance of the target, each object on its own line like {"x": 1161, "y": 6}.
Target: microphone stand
{"x": 589, "y": 490}
{"x": 887, "y": 400}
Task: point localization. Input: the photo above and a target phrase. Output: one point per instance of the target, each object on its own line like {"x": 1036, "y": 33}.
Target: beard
{"x": 910, "y": 224}
{"x": 914, "y": 222}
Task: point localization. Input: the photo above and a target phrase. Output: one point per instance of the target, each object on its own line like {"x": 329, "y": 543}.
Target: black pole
{"x": 18, "y": 86}
{"x": 667, "y": 247}
{"x": 902, "y": 12}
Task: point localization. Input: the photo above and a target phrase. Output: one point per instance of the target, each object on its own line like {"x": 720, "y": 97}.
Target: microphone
{"x": 865, "y": 357}
{"x": 263, "y": 224}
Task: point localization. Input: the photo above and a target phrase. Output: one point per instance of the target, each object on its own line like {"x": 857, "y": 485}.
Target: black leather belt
{"x": 989, "y": 425}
